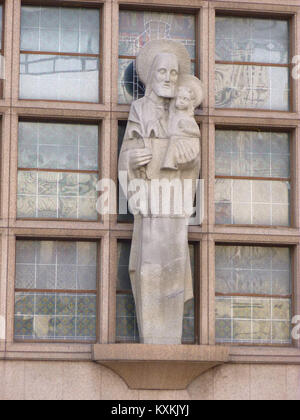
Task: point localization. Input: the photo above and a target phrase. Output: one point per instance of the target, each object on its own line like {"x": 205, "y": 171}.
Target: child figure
{"x": 184, "y": 132}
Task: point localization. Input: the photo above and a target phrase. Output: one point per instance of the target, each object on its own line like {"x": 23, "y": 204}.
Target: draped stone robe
{"x": 159, "y": 267}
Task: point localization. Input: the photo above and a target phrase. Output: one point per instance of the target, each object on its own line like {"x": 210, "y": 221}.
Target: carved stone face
{"x": 165, "y": 75}
{"x": 183, "y": 98}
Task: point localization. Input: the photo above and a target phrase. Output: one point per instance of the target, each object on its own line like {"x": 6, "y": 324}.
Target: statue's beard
{"x": 164, "y": 91}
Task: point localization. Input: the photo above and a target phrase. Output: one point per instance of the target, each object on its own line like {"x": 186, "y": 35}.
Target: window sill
{"x": 166, "y": 367}
{"x": 268, "y": 355}
{"x": 45, "y": 351}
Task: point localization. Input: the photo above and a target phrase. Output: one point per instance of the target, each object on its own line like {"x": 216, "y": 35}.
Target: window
{"x": 252, "y": 178}
{"x": 136, "y": 28}
{"x": 128, "y": 217}
{"x": 253, "y": 294}
{"x": 55, "y": 290}
{"x": 126, "y": 324}
{"x": 57, "y": 171}
{"x": 252, "y": 63}
{"x": 60, "y": 54}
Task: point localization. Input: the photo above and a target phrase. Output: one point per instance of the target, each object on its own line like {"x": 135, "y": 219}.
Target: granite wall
{"x": 26, "y": 380}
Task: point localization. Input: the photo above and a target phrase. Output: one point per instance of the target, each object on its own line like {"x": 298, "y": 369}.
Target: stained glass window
{"x": 126, "y": 323}
{"x": 252, "y": 178}
{"x": 261, "y": 81}
{"x": 136, "y": 28}
{"x": 67, "y": 67}
{"x": 122, "y": 200}
{"x": 253, "y": 295}
{"x": 55, "y": 290}
{"x": 57, "y": 171}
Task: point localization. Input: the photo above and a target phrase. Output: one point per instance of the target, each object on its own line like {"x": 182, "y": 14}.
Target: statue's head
{"x": 184, "y": 98}
{"x": 160, "y": 63}
{"x": 163, "y": 76}
{"x": 189, "y": 94}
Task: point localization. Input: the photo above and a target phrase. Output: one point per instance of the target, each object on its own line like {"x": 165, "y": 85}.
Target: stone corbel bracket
{"x": 168, "y": 367}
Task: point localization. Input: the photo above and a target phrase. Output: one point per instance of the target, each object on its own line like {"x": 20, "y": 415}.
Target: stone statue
{"x": 162, "y": 144}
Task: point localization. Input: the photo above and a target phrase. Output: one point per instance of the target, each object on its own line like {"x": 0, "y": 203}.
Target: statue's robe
{"x": 159, "y": 268}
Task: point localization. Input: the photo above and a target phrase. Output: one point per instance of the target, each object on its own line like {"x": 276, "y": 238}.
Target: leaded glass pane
{"x": 129, "y": 86}
{"x": 57, "y": 147}
{"x": 188, "y": 328}
{"x": 253, "y": 271}
{"x": 241, "y": 202}
{"x": 253, "y": 155}
{"x": 252, "y": 87}
{"x": 262, "y": 40}
{"x": 59, "y": 29}
{"x": 251, "y": 320}
{"x": 122, "y": 200}
{"x": 55, "y": 77}
{"x": 136, "y": 28}
{"x": 56, "y": 266}
{"x": 249, "y": 153}
{"x": 123, "y": 281}
{"x": 126, "y": 323}
{"x": 45, "y": 316}
{"x": 57, "y": 195}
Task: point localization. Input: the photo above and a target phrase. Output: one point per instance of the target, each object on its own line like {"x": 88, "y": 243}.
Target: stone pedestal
{"x": 168, "y": 367}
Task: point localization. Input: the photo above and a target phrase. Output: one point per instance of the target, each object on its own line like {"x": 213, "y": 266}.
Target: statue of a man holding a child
{"x": 162, "y": 145}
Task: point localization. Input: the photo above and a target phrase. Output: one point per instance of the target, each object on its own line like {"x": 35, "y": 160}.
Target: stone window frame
{"x": 108, "y": 230}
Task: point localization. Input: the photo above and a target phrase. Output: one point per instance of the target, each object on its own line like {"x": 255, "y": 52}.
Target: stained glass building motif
{"x": 252, "y": 71}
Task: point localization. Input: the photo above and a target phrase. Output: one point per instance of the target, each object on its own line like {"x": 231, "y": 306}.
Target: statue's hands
{"x": 139, "y": 158}
{"x": 186, "y": 153}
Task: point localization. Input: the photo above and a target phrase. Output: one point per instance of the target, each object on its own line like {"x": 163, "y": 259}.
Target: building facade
{"x": 68, "y": 78}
